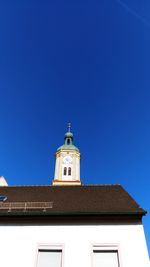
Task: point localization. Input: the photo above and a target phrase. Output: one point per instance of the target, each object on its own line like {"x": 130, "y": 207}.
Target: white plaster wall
{"x": 57, "y": 164}
{"x": 18, "y": 244}
{"x": 77, "y": 177}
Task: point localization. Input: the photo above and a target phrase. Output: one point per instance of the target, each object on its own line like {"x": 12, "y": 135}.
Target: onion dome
{"x": 68, "y": 145}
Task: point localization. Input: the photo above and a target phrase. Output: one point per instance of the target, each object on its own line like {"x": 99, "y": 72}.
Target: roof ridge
{"x": 49, "y": 185}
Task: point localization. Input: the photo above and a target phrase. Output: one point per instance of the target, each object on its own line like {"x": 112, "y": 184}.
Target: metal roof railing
{"x": 25, "y": 206}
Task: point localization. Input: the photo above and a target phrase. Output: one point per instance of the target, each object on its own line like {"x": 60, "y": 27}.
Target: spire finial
{"x": 69, "y": 127}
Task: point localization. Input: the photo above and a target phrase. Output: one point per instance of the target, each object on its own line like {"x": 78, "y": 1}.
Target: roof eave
{"x": 75, "y": 213}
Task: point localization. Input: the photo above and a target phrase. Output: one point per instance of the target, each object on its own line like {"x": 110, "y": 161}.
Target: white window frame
{"x": 50, "y": 247}
{"x": 109, "y": 248}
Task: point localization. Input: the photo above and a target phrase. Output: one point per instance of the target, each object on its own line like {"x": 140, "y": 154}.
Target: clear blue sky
{"x": 87, "y": 62}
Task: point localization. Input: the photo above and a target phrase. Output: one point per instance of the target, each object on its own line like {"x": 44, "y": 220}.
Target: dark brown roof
{"x": 71, "y": 200}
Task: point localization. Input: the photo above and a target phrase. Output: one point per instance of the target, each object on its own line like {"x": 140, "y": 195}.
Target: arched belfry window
{"x": 68, "y": 141}
{"x": 69, "y": 171}
{"x": 65, "y": 171}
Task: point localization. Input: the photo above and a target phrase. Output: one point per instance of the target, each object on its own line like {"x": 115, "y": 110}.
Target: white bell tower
{"x": 67, "y": 166}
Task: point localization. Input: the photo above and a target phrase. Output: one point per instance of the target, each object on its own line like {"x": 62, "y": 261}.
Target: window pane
{"x": 65, "y": 171}
{"x": 69, "y": 171}
{"x": 49, "y": 258}
{"x": 105, "y": 259}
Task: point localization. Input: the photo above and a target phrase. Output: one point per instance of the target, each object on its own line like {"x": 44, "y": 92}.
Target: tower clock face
{"x": 67, "y": 159}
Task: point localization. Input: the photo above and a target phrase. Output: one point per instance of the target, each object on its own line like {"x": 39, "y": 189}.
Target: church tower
{"x": 67, "y": 166}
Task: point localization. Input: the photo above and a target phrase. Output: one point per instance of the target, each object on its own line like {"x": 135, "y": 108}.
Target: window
{"x": 69, "y": 171}
{"x": 68, "y": 141}
{"x": 105, "y": 257}
{"x": 48, "y": 257}
{"x": 65, "y": 171}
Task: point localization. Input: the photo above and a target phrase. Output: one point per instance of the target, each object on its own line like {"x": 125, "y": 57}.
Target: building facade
{"x": 68, "y": 224}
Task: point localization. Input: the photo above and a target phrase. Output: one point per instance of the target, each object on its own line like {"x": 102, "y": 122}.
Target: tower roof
{"x": 68, "y": 145}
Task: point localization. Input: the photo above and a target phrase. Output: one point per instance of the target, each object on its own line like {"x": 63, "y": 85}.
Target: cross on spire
{"x": 69, "y": 126}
